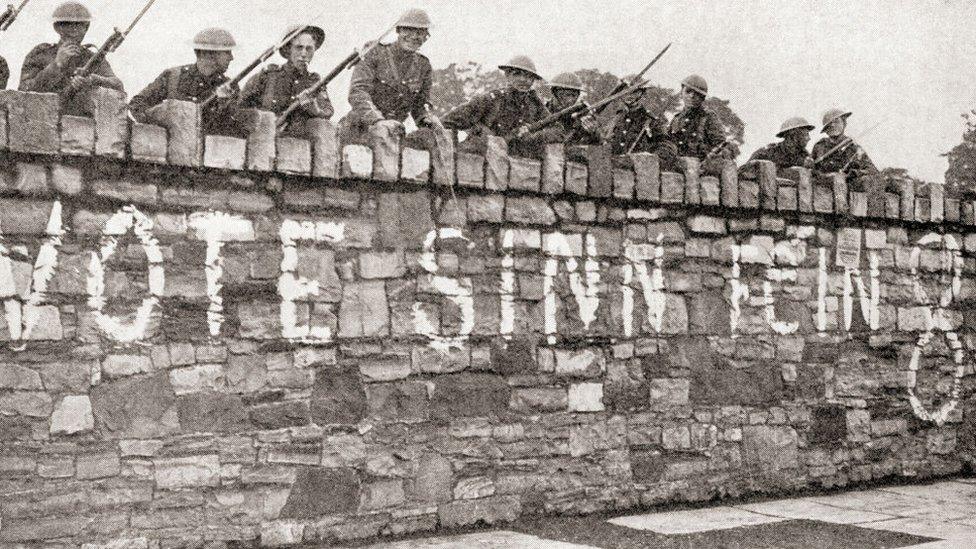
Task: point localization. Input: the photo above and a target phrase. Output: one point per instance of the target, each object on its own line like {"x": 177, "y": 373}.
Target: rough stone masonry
{"x": 265, "y": 341}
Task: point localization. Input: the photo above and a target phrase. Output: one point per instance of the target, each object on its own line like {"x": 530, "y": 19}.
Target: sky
{"x": 908, "y": 65}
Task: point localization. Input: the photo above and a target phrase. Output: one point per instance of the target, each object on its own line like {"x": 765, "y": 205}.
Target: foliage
{"x": 961, "y": 175}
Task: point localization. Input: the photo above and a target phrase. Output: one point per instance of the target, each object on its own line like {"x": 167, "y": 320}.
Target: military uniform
{"x": 4, "y": 73}
{"x": 187, "y": 83}
{"x": 275, "y": 89}
{"x": 636, "y": 124}
{"x": 850, "y": 159}
{"x": 573, "y": 129}
{"x": 502, "y": 112}
{"x": 389, "y": 84}
{"x": 41, "y": 74}
{"x": 696, "y": 132}
{"x": 782, "y": 156}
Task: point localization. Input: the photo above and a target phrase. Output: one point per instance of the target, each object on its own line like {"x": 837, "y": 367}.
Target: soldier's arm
{"x": 39, "y": 74}
{"x": 4, "y": 73}
{"x": 864, "y": 164}
{"x": 419, "y": 109}
{"x": 714, "y": 132}
{"x": 250, "y": 97}
{"x": 468, "y": 115}
{"x": 151, "y": 96}
{"x": 226, "y": 107}
{"x": 323, "y": 106}
{"x": 105, "y": 77}
{"x": 361, "y": 90}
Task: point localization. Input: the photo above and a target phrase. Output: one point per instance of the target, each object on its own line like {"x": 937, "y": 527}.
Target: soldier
{"x": 792, "y": 150}
{"x": 50, "y": 68}
{"x": 4, "y": 73}
{"x": 276, "y": 88}
{"x": 213, "y": 48}
{"x": 391, "y": 82}
{"x": 697, "y": 131}
{"x": 847, "y": 156}
{"x": 636, "y": 129}
{"x": 507, "y": 113}
{"x": 566, "y": 90}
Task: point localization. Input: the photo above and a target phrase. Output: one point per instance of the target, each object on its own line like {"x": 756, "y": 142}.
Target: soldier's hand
{"x": 67, "y": 52}
{"x": 81, "y": 82}
{"x": 808, "y": 163}
{"x": 588, "y": 123}
{"x": 224, "y": 91}
{"x": 522, "y": 131}
{"x": 434, "y": 121}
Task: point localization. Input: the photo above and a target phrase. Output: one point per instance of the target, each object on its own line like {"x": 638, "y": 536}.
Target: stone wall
{"x": 264, "y": 341}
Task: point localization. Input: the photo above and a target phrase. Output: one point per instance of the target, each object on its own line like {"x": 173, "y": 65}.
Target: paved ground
{"x": 941, "y": 515}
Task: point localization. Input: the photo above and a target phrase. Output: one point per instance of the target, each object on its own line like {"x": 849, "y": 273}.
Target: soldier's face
{"x": 222, "y": 60}
{"x": 800, "y": 137}
{"x": 72, "y": 31}
{"x": 565, "y": 97}
{"x": 836, "y": 127}
{"x": 520, "y": 80}
{"x": 301, "y": 50}
{"x": 410, "y": 38}
{"x": 690, "y": 97}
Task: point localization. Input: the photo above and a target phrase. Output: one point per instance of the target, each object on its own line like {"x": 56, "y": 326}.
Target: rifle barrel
{"x": 138, "y": 17}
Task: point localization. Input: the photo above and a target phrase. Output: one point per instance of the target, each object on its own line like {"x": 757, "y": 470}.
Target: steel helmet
{"x": 567, "y": 81}
{"x": 415, "y": 19}
{"x": 317, "y": 34}
{"x": 792, "y": 124}
{"x": 833, "y": 114}
{"x": 71, "y": 12}
{"x": 523, "y": 63}
{"x": 696, "y": 83}
{"x": 214, "y": 39}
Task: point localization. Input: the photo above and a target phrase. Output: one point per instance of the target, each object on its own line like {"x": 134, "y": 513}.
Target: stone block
{"x": 147, "y": 143}
{"x": 31, "y": 121}
{"x": 839, "y": 184}
{"x": 586, "y": 397}
{"x": 529, "y": 210}
{"x": 182, "y": 122}
{"x": 553, "y": 168}
{"x": 823, "y": 199}
{"x": 858, "y": 204}
{"x": 24, "y": 217}
{"x": 969, "y": 213}
{"x": 363, "y": 311}
{"x": 577, "y": 175}
{"x": 281, "y": 533}
{"x": 600, "y": 170}
{"x": 769, "y": 448}
{"x": 470, "y": 170}
{"x": 525, "y": 174}
{"x": 892, "y": 205}
{"x": 31, "y": 179}
{"x": 135, "y": 407}
{"x": 323, "y": 137}
{"x": 923, "y": 210}
{"x": 766, "y": 175}
{"x": 786, "y": 196}
{"x": 666, "y": 393}
{"x": 111, "y": 116}
{"x": 406, "y": 219}
{"x": 803, "y": 181}
{"x": 706, "y": 224}
{"x": 748, "y": 194}
{"x": 357, "y": 162}
{"x": 691, "y": 168}
{"x": 294, "y": 156}
{"x": 585, "y": 363}
{"x": 496, "y": 164}
{"x": 488, "y": 208}
{"x": 623, "y": 183}
{"x": 647, "y": 176}
{"x": 442, "y": 157}
{"x": 730, "y": 184}
{"x": 952, "y": 210}
{"x": 384, "y": 140}
{"x": 711, "y": 194}
{"x": 415, "y": 165}
{"x": 907, "y": 190}
{"x": 262, "y": 135}
{"x": 937, "y": 202}
{"x": 175, "y": 473}
{"x": 72, "y": 415}
{"x": 492, "y": 510}
{"x": 468, "y": 395}
{"x": 672, "y": 188}
{"x": 222, "y": 152}
{"x": 77, "y": 135}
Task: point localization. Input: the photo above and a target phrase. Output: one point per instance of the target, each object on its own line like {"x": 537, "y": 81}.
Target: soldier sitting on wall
{"x": 697, "y": 131}
{"x": 792, "y": 150}
{"x": 276, "y": 87}
{"x": 506, "y": 113}
{"x": 566, "y": 90}
{"x": 4, "y": 73}
{"x": 50, "y": 68}
{"x": 636, "y": 129}
{"x": 391, "y": 82}
{"x": 213, "y": 48}
{"x": 838, "y": 153}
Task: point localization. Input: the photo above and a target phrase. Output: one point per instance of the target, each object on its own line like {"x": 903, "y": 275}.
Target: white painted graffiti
{"x": 216, "y": 228}
{"x": 457, "y": 290}
{"x": 292, "y": 287}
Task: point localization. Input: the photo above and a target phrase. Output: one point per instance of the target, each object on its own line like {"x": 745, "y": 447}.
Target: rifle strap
{"x": 173, "y": 81}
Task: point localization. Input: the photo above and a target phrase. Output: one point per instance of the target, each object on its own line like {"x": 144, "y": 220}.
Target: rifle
{"x": 354, "y": 58}
{"x": 579, "y": 109}
{"x": 8, "y": 17}
{"x": 254, "y": 64}
{"x": 623, "y": 84}
{"x": 844, "y": 144}
{"x": 110, "y": 45}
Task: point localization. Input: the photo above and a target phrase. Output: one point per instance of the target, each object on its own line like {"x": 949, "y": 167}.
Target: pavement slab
{"x": 694, "y": 520}
{"x": 812, "y": 510}
{"x": 499, "y": 539}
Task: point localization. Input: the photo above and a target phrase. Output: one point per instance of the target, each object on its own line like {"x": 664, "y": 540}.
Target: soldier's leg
{"x": 667, "y": 153}
{"x": 475, "y": 144}
{"x": 351, "y": 132}
{"x": 423, "y": 139}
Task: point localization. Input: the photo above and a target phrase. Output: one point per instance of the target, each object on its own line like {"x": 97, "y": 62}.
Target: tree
{"x": 458, "y": 83}
{"x": 961, "y": 174}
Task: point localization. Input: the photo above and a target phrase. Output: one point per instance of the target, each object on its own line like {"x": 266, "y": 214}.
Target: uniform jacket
{"x": 275, "y": 88}
{"x": 780, "y": 155}
{"x": 389, "y": 84}
{"x": 4, "y": 73}
{"x": 187, "y": 83}
{"x": 501, "y": 113}
{"x": 850, "y": 159}
{"x": 573, "y": 128}
{"x": 696, "y": 132}
{"x": 41, "y": 74}
{"x": 629, "y": 126}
